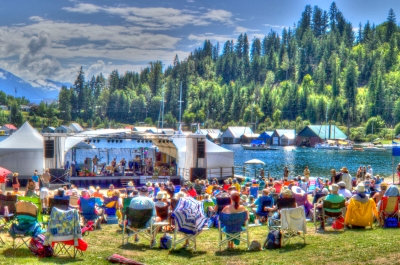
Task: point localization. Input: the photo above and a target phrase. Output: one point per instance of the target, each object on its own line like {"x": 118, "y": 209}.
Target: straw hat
{"x": 335, "y": 187}
{"x": 384, "y": 186}
{"x": 298, "y": 191}
{"x": 180, "y": 194}
{"x": 15, "y": 174}
{"x": 360, "y": 188}
{"x": 286, "y": 191}
{"x": 161, "y": 195}
{"x": 344, "y": 169}
{"x": 342, "y": 184}
{"x": 130, "y": 183}
{"x": 148, "y": 184}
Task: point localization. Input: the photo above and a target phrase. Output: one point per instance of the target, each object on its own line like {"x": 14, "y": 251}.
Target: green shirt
{"x": 334, "y": 198}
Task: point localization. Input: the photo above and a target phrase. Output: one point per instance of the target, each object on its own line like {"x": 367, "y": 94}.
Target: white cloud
{"x": 2, "y": 76}
{"x": 239, "y": 30}
{"x": 274, "y": 26}
{"x": 83, "y": 8}
{"x": 36, "y": 19}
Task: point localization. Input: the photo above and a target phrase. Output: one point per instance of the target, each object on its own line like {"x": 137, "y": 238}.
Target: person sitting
{"x": 379, "y": 195}
{"x": 98, "y": 193}
{"x": 286, "y": 193}
{"x": 197, "y": 186}
{"x": 319, "y": 194}
{"x": 162, "y": 205}
{"x": 191, "y": 191}
{"x": 335, "y": 198}
{"x": 16, "y": 192}
{"x": 60, "y": 195}
{"x": 233, "y": 208}
{"x": 360, "y": 210}
{"x": 265, "y": 205}
{"x": 142, "y": 202}
{"x": 343, "y": 191}
{"x": 236, "y": 185}
{"x": 277, "y": 186}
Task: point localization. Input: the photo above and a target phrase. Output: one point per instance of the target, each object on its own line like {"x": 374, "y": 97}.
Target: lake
{"x": 320, "y": 162}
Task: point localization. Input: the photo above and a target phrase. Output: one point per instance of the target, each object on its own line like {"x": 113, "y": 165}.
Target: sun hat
{"x": 130, "y": 183}
{"x": 15, "y": 174}
{"x": 180, "y": 194}
{"x": 341, "y": 184}
{"x": 384, "y": 186}
{"x": 334, "y": 187}
{"x": 344, "y": 169}
{"x": 148, "y": 184}
{"x": 360, "y": 188}
{"x": 161, "y": 195}
{"x": 286, "y": 191}
{"x": 298, "y": 191}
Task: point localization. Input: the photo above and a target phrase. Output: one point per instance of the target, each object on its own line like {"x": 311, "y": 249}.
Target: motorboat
{"x": 372, "y": 148}
{"x": 346, "y": 147}
{"x": 327, "y": 146}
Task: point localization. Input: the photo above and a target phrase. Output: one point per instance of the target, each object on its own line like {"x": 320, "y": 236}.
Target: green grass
{"x": 378, "y": 246}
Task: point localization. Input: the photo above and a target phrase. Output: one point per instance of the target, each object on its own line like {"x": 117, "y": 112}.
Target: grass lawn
{"x": 378, "y": 246}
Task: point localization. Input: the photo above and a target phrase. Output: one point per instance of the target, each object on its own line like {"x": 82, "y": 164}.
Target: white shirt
{"x": 370, "y": 171}
{"x": 345, "y": 193}
{"x": 346, "y": 178}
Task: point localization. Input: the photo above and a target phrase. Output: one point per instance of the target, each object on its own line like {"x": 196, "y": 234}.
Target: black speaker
{"x": 197, "y": 173}
{"x": 201, "y": 149}
{"x": 49, "y": 148}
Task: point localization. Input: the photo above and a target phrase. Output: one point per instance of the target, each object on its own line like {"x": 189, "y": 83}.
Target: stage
{"x": 121, "y": 181}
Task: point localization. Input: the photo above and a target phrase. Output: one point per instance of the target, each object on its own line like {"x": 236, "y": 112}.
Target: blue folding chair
{"x": 254, "y": 192}
{"x": 177, "y": 189}
{"x": 233, "y": 225}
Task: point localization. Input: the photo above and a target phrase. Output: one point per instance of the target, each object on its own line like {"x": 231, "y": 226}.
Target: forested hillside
{"x": 316, "y": 70}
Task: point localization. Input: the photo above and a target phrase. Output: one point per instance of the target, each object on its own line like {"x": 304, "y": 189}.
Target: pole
{"x": 162, "y": 115}
{"x": 348, "y": 120}
{"x": 393, "y": 168}
{"x": 180, "y": 104}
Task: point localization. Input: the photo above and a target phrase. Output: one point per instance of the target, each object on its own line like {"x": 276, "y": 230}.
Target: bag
{"x": 339, "y": 223}
{"x": 37, "y": 248}
{"x": 274, "y": 240}
{"x": 255, "y": 245}
{"x": 390, "y": 222}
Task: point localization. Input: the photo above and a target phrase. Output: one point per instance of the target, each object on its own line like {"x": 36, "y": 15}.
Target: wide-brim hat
{"x": 384, "y": 184}
{"x": 297, "y": 190}
{"x": 148, "y": 184}
{"x": 360, "y": 188}
{"x": 286, "y": 191}
{"x": 15, "y": 174}
{"x": 344, "y": 169}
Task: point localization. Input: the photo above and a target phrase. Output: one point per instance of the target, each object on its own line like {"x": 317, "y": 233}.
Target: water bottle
{"x": 6, "y": 213}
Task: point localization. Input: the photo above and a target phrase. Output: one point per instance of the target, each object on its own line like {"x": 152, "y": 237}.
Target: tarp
{"x": 22, "y": 152}
{"x": 257, "y": 142}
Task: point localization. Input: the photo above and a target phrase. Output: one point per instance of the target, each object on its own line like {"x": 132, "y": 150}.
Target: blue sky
{"x": 52, "y": 39}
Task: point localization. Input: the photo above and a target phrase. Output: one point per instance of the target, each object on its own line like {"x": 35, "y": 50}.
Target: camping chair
{"x": 162, "y": 212}
{"x": 360, "y": 214}
{"x": 38, "y": 203}
{"x": 312, "y": 186}
{"x": 335, "y": 217}
{"x": 125, "y": 203}
{"x": 264, "y": 201}
{"x": 283, "y": 203}
{"x": 388, "y": 208}
{"x": 72, "y": 243}
{"x": 88, "y": 212}
{"x": 234, "y": 225}
{"x": 317, "y": 213}
{"x": 206, "y": 205}
{"x": 254, "y": 191}
{"x": 139, "y": 222}
{"x": 293, "y": 224}
{"x": 26, "y": 225}
{"x": 110, "y": 205}
{"x": 9, "y": 201}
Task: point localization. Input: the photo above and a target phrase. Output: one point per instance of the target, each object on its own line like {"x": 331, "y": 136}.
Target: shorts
{"x": 44, "y": 193}
{"x": 47, "y": 185}
{"x": 36, "y": 185}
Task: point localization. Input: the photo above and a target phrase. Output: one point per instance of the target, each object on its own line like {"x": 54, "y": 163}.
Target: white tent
{"x": 22, "y": 152}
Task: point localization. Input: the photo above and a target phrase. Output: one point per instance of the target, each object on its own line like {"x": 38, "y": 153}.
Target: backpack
{"x": 274, "y": 240}
{"x": 37, "y": 248}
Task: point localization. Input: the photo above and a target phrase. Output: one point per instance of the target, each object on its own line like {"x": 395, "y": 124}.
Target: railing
{"x": 211, "y": 173}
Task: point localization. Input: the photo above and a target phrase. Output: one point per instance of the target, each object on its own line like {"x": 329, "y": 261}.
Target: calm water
{"x": 320, "y": 162}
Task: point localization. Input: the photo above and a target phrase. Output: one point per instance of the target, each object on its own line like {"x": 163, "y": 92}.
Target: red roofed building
{"x": 8, "y": 128}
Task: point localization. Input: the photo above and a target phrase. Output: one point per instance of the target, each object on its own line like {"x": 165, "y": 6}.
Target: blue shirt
{"x": 35, "y": 178}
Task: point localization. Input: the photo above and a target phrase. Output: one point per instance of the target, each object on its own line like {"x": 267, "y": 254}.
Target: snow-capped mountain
{"x": 34, "y": 90}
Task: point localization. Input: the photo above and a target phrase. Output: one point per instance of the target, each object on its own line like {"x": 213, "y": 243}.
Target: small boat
{"x": 326, "y": 146}
{"x": 345, "y": 147}
{"x": 372, "y": 148}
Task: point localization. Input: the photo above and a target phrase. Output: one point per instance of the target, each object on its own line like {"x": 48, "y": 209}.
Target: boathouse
{"x": 284, "y": 137}
{"x": 233, "y": 134}
{"x": 314, "y": 134}
{"x": 266, "y": 137}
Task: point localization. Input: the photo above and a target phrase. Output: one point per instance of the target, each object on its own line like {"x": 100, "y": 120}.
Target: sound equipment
{"x": 201, "y": 149}
{"x": 49, "y": 148}
{"x": 197, "y": 173}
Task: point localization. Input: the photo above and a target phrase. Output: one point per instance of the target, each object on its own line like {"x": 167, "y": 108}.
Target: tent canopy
{"x": 254, "y": 162}
{"x": 23, "y": 151}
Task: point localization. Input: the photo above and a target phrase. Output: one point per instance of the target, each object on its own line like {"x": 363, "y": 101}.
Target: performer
{"x": 95, "y": 160}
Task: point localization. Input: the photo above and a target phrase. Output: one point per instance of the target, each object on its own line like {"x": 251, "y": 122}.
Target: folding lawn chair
{"x": 88, "y": 213}
{"x": 110, "y": 205}
{"x": 65, "y": 224}
{"x": 38, "y": 203}
{"x": 73, "y": 201}
{"x": 389, "y": 211}
{"x": 234, "y": 225}
{"x": 138, "y": 222}
{"x": 125, "y": 203}
{"x": 293, "y": 224}
{"x": 206, "y": 205}
{"x": 335, "y": 213}
{"x": 61, "y": 204}
{"x": 26, "y": 225}
{"x": 361, "y": 214}
{"x": 189, "y": 221}
{"x": 9, "y": 201}
{"x": 283, "y": 203}
{"x": 254, "y": 191}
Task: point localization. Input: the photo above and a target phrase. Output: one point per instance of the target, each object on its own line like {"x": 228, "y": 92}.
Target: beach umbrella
{"x": 254, "y": 162}
{"x": 189, "y": 216}
{"x": 4, "y": 170}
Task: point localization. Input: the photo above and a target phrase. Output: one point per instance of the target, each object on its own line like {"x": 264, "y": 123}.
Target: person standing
{"x": 35, "y": 179}
{"x": 123, "y": 163}
{"x": 95, "y": 160}
{"x": 46, "y": 178}
{"x": 3, "y": 181}
{"x": 285, "y": 174}
{"x": 370, "y": 171}
{"x": 15, "y": 181}
{"x": 307, "y": 174}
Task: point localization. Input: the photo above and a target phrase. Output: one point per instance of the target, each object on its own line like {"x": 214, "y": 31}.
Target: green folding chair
{"x": 35, "y": 200}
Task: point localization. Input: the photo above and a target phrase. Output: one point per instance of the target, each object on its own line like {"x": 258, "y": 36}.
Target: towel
{"x": 294, "y": 219}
